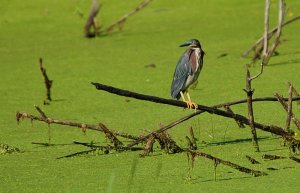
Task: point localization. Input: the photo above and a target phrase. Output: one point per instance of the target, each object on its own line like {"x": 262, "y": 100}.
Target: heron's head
{"x": 194, "y": 43}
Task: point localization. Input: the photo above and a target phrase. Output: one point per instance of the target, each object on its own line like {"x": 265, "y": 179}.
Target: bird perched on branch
{"x": 187, "y": 71}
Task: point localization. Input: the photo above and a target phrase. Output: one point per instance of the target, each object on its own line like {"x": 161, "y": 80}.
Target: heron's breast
{"x": 194, "y": 60}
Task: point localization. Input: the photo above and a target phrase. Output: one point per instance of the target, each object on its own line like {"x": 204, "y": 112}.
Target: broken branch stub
{"x": 47, "y": 81}
{"x": 92, "y": 21}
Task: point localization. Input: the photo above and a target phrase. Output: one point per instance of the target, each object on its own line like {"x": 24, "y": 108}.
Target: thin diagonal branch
{"x": 285, "y": 106}
{"x": 120, "y": 22}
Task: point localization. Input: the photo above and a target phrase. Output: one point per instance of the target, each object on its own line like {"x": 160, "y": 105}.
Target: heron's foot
{"x": 191, "y": 105}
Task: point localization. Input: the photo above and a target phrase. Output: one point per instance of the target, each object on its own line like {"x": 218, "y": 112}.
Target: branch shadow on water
{"x": 225, "y": 179}
{"x": 235, "y": 141}
{"x": 284, "y": 62}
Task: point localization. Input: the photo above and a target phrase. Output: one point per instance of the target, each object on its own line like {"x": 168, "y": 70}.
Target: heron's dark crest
{"x": 188, "y": 68}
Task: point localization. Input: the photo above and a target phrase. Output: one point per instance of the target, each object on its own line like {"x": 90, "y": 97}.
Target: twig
{"x": 255, "y": 173}
{"x": 193, "y": 139}
{"x": 120, "y": 22}
{"x": 166, "y": 142}
{"x": 228, "y": 109}
{"x": 48, "y": 82}
{"x": 295, "y": 93}
{"x": 289, "y": 110}
{"x": 117, "y": 143}
{"x": 260, "y": 72}
{"x": 260, "y": 99}
{"x": 149, "y": 146}
{"x": 22, "y": 115}
{"x": 92, "y": 20}
{"x": 40, "y": 111}
{"x": 270, "y": 34}
{"x": 201, "y": 108}
{"x": 190, "y": 144}
{"x": 285, "y": 106}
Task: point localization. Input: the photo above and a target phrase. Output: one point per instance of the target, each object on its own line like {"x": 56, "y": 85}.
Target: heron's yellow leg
{"x": 191, "y": 104}
{"x": 183, "y": 98}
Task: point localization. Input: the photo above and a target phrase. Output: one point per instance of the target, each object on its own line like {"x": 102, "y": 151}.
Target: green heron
{"x": 187, "y": 71}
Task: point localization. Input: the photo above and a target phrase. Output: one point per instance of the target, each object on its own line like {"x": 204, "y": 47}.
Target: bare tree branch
{"x": 201, "y": 108}
{"x": 270, "y": 34}
{"x": 83, "y": 126}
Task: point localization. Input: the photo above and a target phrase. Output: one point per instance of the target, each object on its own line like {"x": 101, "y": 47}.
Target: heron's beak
{"x": 186, "y": 44}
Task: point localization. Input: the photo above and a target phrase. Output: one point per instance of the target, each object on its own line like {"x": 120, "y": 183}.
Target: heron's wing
{"x": 182, "y": 71}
